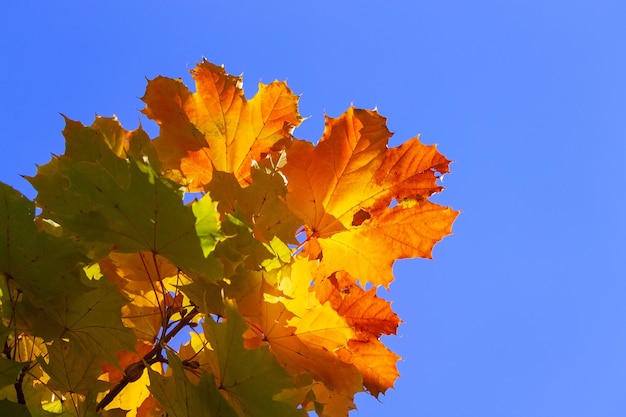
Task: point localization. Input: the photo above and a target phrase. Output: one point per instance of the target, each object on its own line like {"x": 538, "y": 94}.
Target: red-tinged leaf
{"x": 375, "y": 361}
{"x": 362, "y": 309}
{"x": 133, "y": 395}
{"x": 302, "y": 333}
{"x": 150, "y": 408}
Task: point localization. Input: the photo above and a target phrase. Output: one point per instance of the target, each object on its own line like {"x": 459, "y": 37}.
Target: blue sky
{"x": 523, "y": 310}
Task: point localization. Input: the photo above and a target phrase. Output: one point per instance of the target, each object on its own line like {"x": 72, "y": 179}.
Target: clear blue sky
{"x": 523, "y": 310}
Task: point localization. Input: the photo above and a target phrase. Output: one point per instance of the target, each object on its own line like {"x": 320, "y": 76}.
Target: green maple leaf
{"x": 238, "y": 252}
{"x": 181, "y": 398}
{"x": 42, "y": 265}
{"x": 207, "y": 224}
{"x": 93, "y": 320}
{"x": 37, "y": 394}
{"x": 261, "y": 204}
{"x": 251, "y": 379}
{"x": 72, "y": 369}
{"x": 243, "y": 285}
{"x": 119, "y": 203}
{"x": 37, "y": 269}
{"x": 9, "y": 408}
{"x": 9, "y": 370}
{"x": 241, "y": 246}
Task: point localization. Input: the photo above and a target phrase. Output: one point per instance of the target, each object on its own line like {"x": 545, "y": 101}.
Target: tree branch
{"x": 18, "y": 386}
{"x": 134, "y": 371}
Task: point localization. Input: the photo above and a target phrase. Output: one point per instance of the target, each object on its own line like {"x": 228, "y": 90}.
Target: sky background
{"x": 522, "y": 312}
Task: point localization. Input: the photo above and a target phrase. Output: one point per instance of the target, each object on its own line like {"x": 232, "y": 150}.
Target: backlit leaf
{"x": 216, "y": 127}
{"x": 242, "y": 374}
{"x": 9, "y": 370}
{"x": 376, "y": 363}
{"x": 72, "y": 369}
{"x": 261, "y": 203}
{"x": 342, "y": 190}
{"x": 181, "y": 398}
{"x": 409, "y": 229}
{"x": 364, "y": 310}
{"x": 9, "y": 408}
{"x": 94, "y": 321}
{"x": 43, "y": 266}
{"x": 124, "y": 204}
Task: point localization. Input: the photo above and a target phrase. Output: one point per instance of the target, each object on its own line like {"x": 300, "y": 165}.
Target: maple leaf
{"x": 9, "y": 408}
{"x": 93, "y": 320}
{"x": 9, "y": 370}
{"x": 304, "y": 334}
{"x": 261, "y": 203}
{"x": 141, "y": 267}
{"x": 241, "y": 248}
{"x": 242, "y": 374}
{"x": 44, "y": 293}
{"x": 41, "y": 265}
{"x": 145, "y": 279}
{"x": 72, "y": 369}
{"x": 216, "y": 127}
{"x": 363, "y": 310}
{"x": 375, "y": 361}
{"x": 299, "y": 356}
{"x": 151, "y": 408}
{"x": 125, "y": 204}
{"x": 116, "y": 137}
{"x": 318, "y": 324}
{"x": 181, "y": 398}
{"x": 342, "y": 190}
{"x": 329, "y": 403}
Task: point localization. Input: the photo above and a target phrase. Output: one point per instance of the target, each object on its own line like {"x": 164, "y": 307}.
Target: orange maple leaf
{"x": 371, "y": 317}
{"x": 150, "y": 408}
{"x": 364, "y": 205}
{"x": 363, "y": 310}
{"x": 299, "y": 355}
{"x": 216, "y": 127}
{"x": 375, "y": 361}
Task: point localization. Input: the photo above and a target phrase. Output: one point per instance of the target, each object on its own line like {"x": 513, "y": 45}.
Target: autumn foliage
{"x": 265, "y": 249}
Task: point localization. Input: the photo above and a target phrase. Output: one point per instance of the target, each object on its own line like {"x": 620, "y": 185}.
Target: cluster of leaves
{"x": 271, "y": 265}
